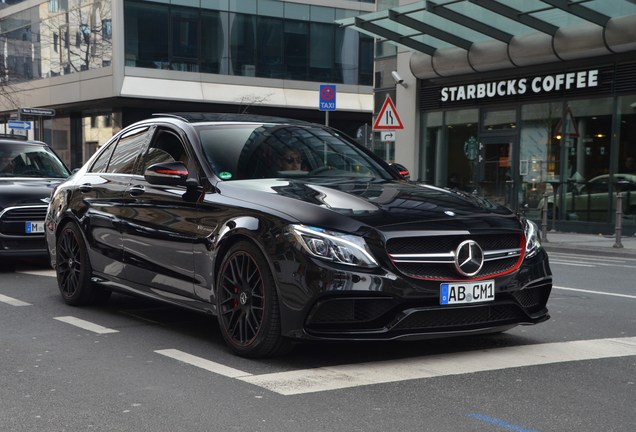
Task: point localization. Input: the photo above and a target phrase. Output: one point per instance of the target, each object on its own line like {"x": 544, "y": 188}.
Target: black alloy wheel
{"x": 74, "y": 270}
{"x": 247, "y": 303}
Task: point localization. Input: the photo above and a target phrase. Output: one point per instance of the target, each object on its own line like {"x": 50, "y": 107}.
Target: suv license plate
{"x": 34, "y": 227}
{"x": 471, "y": 292}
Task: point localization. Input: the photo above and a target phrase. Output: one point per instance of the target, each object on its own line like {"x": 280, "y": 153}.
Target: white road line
{"x": 593, "y": 257}
{"x": 571, "y": 264}
{"x": 596, "y": 292}
{"x": 13, "y": 302}
{"x": 86, "y": 325}
{"x": 353, "y": 375}
{"x": 48, "y": 273}
{"x": 202, "y": 363}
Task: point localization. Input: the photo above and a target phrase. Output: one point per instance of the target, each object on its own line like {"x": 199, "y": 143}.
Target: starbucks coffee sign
{"x": 521, "y": 86}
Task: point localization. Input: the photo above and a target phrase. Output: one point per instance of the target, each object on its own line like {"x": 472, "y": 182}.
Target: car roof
{"x": 7, "y": 139}
{"x": 202, "y": 117}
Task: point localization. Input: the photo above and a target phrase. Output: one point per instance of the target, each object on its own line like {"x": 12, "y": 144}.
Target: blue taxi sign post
{"x": 327, "y": 100}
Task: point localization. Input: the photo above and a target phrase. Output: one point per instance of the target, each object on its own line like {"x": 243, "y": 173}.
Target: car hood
{"x": 24, "y": 191}
{"x": 385, "y": 205}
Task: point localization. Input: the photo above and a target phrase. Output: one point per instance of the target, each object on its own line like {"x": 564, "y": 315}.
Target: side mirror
{"x": 167, "y": 174}
{"x": 401, "y": 170}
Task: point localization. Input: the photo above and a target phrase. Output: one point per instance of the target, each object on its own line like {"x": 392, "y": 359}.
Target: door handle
{"x": 136, "y": 190}
{"x": 86, "y": 187}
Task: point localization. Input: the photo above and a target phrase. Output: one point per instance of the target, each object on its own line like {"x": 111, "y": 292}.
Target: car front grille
{"x": 462, "y": 317}
{"x": 12, "y": 219}
{"x": 24, "y": 214}
{"x": 433, "y": 257}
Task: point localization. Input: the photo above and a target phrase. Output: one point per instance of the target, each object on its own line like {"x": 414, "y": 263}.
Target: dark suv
{"x": 289, "y": 230}
{"x": 29, "y": 171}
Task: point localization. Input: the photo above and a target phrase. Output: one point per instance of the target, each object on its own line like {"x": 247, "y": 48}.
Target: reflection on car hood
{"x": 23, "y": 191}
{"x": 378, "y": 204}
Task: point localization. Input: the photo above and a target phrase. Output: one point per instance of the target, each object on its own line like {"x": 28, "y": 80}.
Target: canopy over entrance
{"x": 453, "y": 37}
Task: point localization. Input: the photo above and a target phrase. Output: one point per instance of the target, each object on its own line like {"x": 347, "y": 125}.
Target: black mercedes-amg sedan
{"x": 289, "y": 230}
{"x": 29, "y": 171}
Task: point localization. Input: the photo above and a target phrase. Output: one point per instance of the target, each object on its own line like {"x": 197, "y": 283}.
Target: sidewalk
{"x": 599, "y": 243}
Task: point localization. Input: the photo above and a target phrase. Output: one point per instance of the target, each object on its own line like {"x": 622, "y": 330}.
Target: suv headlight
{"x": 533, "y": 243}
{"x": 334, "y": 246}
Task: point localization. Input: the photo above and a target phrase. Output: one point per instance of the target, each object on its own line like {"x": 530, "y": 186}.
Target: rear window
{"x": 29, "y": 160}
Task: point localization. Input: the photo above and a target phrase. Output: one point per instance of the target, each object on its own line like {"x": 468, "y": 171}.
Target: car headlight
{"x": 533, "y": 243}
{"x": 333, "y": 246}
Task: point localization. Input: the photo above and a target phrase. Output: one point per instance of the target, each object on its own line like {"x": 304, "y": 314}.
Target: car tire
{"x": 74, "y": 271}
{"x": 247, "y": 304}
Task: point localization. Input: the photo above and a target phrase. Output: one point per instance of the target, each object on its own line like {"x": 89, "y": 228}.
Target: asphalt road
{"x": 136, "y": 365}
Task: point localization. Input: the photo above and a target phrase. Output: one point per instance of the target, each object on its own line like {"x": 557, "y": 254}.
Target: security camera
{"x": 398, "y": 79}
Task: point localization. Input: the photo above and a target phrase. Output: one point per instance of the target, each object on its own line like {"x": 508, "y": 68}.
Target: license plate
{"x": 467, "y": 292}
{"x": 34, "y": 227}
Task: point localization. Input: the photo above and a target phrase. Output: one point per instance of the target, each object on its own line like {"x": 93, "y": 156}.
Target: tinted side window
{"x": 165, "y": 147}
{"x": 101, "y": 162}
{"x": 128, "y": 149}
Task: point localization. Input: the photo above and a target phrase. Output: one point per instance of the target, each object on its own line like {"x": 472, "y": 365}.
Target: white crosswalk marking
{"x": 595, "y": 292}
{"x": 12, "y": 301}
{"x": 86, "y": 325}
{"x": 353, "y": 375}
{"x": 46, "y": 273}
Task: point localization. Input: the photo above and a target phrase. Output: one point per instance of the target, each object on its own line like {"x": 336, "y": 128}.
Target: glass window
{"x": 146, "y": 28}
{"x": 270, "y": 47}
{"x": 212, "y": 41}
{"x": 275, "y": 151}
{"x": 347, "y": 54}
{"x": 585, "y": 132}
{"x": 296, "y": 40}
{"x": 30, "y": 161}
{"x": 432, "y": 142}
{"x": 321, "y": 52}
{"x": 539, "y": 152}
{"x": 627, "y": 146}
{"x": 461, "y": 153}
{"x": 627, "y": 157}
{"x": 500, "y": 120}
{"x": 128, "y": 149}
{"x": 166, "y": 147}
{"x": 365, "y": 61}
{"x": 101, "y": 162}
{"x": 243, "y": 45}
{"x": 185, "y": 39}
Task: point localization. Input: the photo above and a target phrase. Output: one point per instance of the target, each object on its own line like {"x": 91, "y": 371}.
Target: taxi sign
{"x": 327, "y": 98}
{"x": 388, "y": 118}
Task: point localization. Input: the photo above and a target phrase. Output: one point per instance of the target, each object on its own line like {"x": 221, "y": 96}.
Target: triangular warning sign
{"x": 388, "y": 118}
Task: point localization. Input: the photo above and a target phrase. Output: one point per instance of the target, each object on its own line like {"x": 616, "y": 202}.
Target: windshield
{"x": 253, "y": 151}
{"x": 25, "y": 160}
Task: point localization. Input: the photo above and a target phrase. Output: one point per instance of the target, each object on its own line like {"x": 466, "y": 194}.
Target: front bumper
{"x": 354, "y": 306}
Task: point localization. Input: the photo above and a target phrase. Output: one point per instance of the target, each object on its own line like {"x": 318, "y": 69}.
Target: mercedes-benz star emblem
{"x": 243, "y": 298}
{"x": 469, "y": 258}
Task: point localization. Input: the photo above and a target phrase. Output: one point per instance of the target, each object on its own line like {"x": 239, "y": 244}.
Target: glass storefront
{"x": 570, "y": 156}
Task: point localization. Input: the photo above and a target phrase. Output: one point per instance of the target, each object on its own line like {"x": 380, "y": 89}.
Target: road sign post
{"x": 327, "y": 100}
{"x": 388, "y": 117}
{"x": 19, "y": 124}
{"x": 39, "y": 113}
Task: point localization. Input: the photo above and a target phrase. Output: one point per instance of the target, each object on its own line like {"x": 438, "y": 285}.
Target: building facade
{"x": 531, "y": 103}
{"x": 103, "y": 64}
